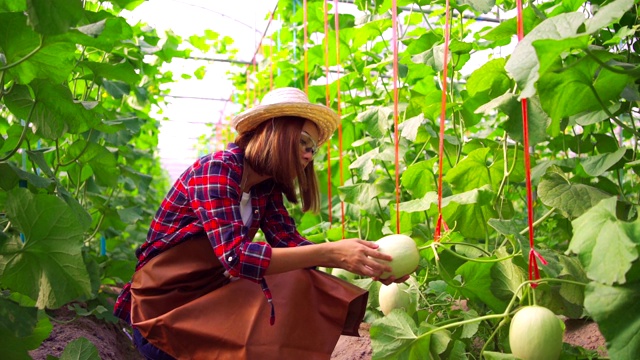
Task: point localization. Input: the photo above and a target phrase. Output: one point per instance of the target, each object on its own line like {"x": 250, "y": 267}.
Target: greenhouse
{"x": 322, "y": 179}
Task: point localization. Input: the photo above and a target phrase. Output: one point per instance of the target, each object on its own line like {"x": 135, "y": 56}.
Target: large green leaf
{"x": 490, "y": 77}
{"x": 472, "y": 172}
{"x": 419, "y": 178}
{"x": 506, "y": 276}
{"x": 483, "y": 6}
{"x": 396, "y": 336}
{"x": 608, "y": 14}
{"x": 572, "y": 199}
{"x": 11, "y": 174}
{"x": 376, "y": 121}
{"x": 599, "y": 164}
{"x": 122, "y": 71}
{"x": 51, "y": 17}
{"x": 16, "y": 323}
{"x": 55, "y": 111}
{"x": 575, "y": 86}
{"x": 615, "y": 309}
{"x": 80, "y": 349}
{"x": 538, "y": 120}
{"x": 53, "y": 60}
{"x": 48, "y": 266}
{"x": 477, "y": 284}
{"x": 606, "y": 246}
{"x": 523, "y": 64}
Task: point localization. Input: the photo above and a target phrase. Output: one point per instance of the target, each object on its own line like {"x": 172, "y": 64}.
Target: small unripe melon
{"x": 404, "y": 252}
{"x": 399, "y": 296}
{"x": 536, "y": 333}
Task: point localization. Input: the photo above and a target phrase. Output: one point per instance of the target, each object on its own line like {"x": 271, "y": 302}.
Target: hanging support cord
{"x": 304, "y": 47}
{"x": 534, "y": 271}
{"x": 440, "y": 223}
{"x": 394, "y": 40}
{"x": 328, "y": 102}
{"x": 340, "y": 160}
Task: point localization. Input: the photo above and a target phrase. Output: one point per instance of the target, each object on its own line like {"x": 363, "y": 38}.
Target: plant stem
{"x": 537, "y": 222}
{"x": 22, "y": 135}
{"x": 25, "y": 58}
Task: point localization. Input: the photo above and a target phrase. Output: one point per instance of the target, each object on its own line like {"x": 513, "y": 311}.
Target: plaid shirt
{"x": 206, "y": 198}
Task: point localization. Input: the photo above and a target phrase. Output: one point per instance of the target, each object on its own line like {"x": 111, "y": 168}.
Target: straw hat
{"x": 288, "y": 102}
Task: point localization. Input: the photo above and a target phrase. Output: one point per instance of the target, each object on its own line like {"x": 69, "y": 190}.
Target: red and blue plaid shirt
{"x": 206, "y": 199}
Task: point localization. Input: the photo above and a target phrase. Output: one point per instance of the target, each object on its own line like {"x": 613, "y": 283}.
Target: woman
{"x": 218, "y": 204}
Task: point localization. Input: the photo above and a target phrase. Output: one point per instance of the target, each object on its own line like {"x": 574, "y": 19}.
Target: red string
{"x": 534, "y": 272}
{"x": 440, "y": 223}
{"x": 304, "y": 48}
{"x": 271, "y": 66}
{"x": 340, "y": 160}
{"x": 328, "y": 102}
{"x": 394, "y": 19}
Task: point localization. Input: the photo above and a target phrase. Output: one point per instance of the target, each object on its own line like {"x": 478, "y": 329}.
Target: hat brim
{"x": 325, "y": 118}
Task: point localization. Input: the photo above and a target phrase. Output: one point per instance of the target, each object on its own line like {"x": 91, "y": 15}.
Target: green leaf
{"x": 483, "y": 6}
{"x": 608, "y": 14}
{"x": 575, "y": 86}
{"x": 411, "y": 126}
{"x": 13, "y": 6}
{"x": 469, "y": 212}
{"x": 117, "y": 89}
{"x": 470, "y": 329}
{"x": 472, "y": 172}
{"x": 538, "y": 120}
{"x": 17, "y": 320}
{"x": 376, "y": 121}
{"x": 392, "y": 334}
{"x": 419, "y": 178}
{"x": 599, "y": 164}
{"x": 363, "y": 195}
{"x": 572, "y": 199}
{"x": 506, "y": 276}
{"x": 122, "y": 71}
{"x": 477, "y": 283}
{"x": 80, "y": 349}
{"x": 523, "y": 64}
{"x": 490, "y": 77}
{"x": 11, "y": 174}
{"x": 492, "y": 355}
{"x": 594, "y": 116}
{"x": 615, "y": 309}
{"x": 48, "y": 266}
{"x": 606, "y": 246}
{"x": 52, "y": 17}
{"x": 54, "y": 60}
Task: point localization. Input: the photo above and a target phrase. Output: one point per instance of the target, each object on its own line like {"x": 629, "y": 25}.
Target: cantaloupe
{"x": 402, "y": 296}
{"x": 404, "y": 252}
{"x": 536, "y": 333}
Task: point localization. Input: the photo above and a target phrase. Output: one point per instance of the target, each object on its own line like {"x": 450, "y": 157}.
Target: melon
{"x": 404, "y": 253}
{"x": 536, "y": 333}
{"x": 402, "y": 296}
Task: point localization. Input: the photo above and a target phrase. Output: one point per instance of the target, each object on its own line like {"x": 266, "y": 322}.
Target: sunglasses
{"x": 307, "y": 144}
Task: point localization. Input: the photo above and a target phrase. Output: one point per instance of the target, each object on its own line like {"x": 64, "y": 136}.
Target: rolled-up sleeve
{"x": 214, "y": 193}
{"x": 278, "y": 226}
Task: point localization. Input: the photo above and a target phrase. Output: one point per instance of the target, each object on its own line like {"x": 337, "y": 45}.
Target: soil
{"x": 114, "y": 344}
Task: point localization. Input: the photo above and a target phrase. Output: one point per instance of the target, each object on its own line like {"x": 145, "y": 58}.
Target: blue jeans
{"x": 147, "y": 349}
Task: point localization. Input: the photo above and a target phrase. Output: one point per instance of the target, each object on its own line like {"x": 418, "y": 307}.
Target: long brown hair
{"x": 273, "y": 149}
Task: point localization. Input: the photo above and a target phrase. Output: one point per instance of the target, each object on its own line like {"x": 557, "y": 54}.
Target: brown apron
{"x": 183, "y": 304}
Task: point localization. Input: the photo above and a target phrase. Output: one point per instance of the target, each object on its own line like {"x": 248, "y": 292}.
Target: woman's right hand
{"x": 359, "y": 257}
